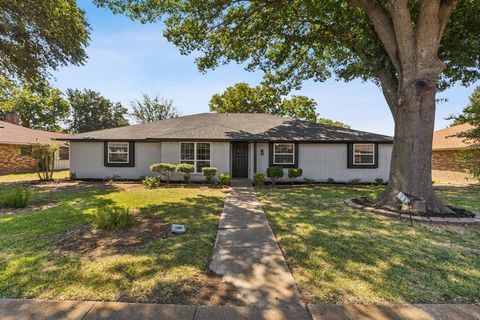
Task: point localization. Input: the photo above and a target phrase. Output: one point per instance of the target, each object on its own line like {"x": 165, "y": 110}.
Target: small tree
{"x": 259, "y": 179}
{"x": 45, "y": 156}
{"x": 165, "y": 170}
{"x": 274, "y": 173}
{"x": 187, "y": 170}
{"x": 209, "y": 173}
{"x": 225, "y": 179}
{"x": 294, "y": 173}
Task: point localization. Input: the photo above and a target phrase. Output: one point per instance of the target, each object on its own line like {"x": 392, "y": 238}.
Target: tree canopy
{"x": 40, "y": 35}
{"x": 470, "y": 115}
{"x": 333, "y": 123}
{"x": 91, "y": 111}
{"x": 153, "y": 108}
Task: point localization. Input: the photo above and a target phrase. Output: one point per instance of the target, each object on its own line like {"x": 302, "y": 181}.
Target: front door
{"x": 240, "y": 160}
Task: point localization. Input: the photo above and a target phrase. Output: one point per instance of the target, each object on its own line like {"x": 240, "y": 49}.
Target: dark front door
{"x": 240, "y": 160}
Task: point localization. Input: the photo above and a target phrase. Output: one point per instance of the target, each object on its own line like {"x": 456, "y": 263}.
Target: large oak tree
{"x": 411, "y": 49}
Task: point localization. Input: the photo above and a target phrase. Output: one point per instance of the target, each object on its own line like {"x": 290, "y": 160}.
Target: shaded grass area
{"x": 30, "y": 265}
{"x": 342, "y": 255}
{"x": 31, "y": 176}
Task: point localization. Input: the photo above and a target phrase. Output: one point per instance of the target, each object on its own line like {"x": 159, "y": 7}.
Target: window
{"x": 26, "y": 151}
{"x": 196, "y": 153}
{"x": 283, "y": 153}
{"x": 363, "y": 154}
{"x": 118, "y": 152}
{"x": 64, "y": 153}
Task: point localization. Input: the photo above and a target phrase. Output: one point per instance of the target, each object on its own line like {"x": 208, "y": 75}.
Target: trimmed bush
{"x": 259, "y": 179}
{"x": 151, "y": 182}
{"x": 330, "y": 180}
{"x": 15, "y": 197}
{"x": 209, "y": 173}
{"x": 378, "y": 181}
{"x": 294, "y": 173}
{"x": 274, "y": 173}
{"x": 108, "y": 218}
{"x": 165, "y": 170}
{"x": 187, "y": 170}
{"x": 225, "y": 179}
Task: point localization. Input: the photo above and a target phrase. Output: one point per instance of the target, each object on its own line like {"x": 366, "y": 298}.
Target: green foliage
{"x": 379, "y": 181}
{"x": 259, "y": 179}
{"x": 294, "y": 173}
{"x": 45, "y": 156}
{"x": 471, "y": 162}
{"x": 151, "y": 182}
{"x": 209, "y": 173}
{"x": 15, "y": 197}
{"x": 109, "y": 218}
{"x": 164, "y": 169}
{"x": 91, "y": 111}
{"x": 40, "y": 36}
{"x": 333, "y": 123}
{"x": 242, "y": 98}
{"x": 274, "y": 173}
{"x": 187, "y": 170}
{"x": 354, "y": 181}
{"x": 308, "y": 180}
{"x": 330, "y": 180}
{"x": 155, "y": 108}
{"x": 225, "y": 179}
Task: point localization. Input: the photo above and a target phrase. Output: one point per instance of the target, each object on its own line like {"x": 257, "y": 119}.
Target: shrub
{"x": 259, "y": 179}
{"x": 209, "y": 173}
{"x": 187, "y": 170}
{"x": 308, "y": 180}
{"x": 108, "y": 218}
{"x": 378, "y": 181}
{"x": 294, "y": 173}
{"x": 151, "y": 182}
{"x": 72, "y": 175}
{"x": 165, "y": 170}
{"x": 330, "y": 180}
{"x": 354, "y": 181}
{"x": 15, "y": 197}
{"x": 274, "y": 173}
{"x": 225, "y": 179}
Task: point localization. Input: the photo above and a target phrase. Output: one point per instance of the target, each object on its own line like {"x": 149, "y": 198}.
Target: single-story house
{"x": 447, "y": 148}
{"x": 16, "y": 146}
{"x": 240, "y": 144}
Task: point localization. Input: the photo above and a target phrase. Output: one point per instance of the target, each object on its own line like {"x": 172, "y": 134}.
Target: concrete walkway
{"x": 247, "y": 253}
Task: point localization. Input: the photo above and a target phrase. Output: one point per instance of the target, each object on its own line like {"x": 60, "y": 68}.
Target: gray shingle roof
{"x": 233, "y": 126}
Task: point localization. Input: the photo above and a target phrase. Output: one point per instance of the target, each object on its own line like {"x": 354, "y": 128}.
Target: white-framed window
{"x": 363, "y": 154}
{"x": 196, "y": 153}
{"x": 283, "y": 153}
{"x": 118, "y": 152}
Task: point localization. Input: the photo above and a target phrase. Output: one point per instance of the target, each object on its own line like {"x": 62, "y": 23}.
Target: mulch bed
{"x": 33, "y": 206}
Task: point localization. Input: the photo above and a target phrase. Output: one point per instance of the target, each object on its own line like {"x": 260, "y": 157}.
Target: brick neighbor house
{"x": 16, "y": 146}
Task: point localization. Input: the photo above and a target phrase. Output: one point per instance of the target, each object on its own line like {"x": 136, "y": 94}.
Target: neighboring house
{"x": 447, "y": 147}
{"x": 240, "y": 144}
{"x": 16, "y": 146}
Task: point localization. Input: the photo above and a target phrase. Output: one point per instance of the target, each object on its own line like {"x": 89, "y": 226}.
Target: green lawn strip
{"x": 31, "y": 176}
{"x": 29, "y": 266}
{"x": 340, "y": 255}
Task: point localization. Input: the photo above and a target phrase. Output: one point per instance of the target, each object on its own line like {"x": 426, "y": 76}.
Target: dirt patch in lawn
{"x": 33, "y": 206}
{"x": 89, "y": 240}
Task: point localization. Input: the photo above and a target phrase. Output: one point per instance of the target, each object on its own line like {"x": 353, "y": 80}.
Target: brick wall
{"x": 12, "y": 161}
{"x": 448, "y": 160}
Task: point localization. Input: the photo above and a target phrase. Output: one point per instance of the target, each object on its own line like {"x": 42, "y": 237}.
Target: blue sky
{"x": 127, "y": 58}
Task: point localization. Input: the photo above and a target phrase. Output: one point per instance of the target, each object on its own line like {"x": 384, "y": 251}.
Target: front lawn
{"x": 343, "y": 255}
{"x": 36, "y": 263}
{"x": 31, "y": 176}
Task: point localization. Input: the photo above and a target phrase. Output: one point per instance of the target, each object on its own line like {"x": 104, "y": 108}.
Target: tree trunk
{"x": 411, "y": 163}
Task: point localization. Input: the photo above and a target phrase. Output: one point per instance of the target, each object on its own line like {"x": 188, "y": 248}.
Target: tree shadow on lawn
{"x": 339, "y": 254}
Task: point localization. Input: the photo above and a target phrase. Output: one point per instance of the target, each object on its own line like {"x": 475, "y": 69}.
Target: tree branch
{"x": 389, "y": 84}
{"x": 444, "y": 13}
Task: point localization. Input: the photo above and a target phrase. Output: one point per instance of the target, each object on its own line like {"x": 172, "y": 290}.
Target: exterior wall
{"x": 12, "y": 161}
{"x": 447, "y": 160}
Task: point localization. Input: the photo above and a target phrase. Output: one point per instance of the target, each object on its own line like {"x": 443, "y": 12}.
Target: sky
{"x": 126, "y": 59}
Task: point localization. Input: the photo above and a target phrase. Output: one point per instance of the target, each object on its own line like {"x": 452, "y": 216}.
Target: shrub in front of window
{"x": 209, "y": 173}
{"x": 15, "y": 197}
{"x": 330, "y": 180}
{"x": 225, "y": 179}
{"x": 165, "y": 170}
{"x": 187, "y": 170}
{"x": 294, "y": 173}
{"x": 274, "y": 173}
{"x": 108, "y": 218}
{"x": 259, "y": 179}
{"x": 151, "y": 182}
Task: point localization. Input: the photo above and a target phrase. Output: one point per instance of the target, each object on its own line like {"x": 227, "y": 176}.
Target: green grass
{"x": 31, "y": 267}
{"x": 343, "y": 255}
{"x": 31, "y": 176}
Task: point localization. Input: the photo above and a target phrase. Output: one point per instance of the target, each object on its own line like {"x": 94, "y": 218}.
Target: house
{"x": 447, "y": 147}
{"x": 241, "y": 144}
{"x": 16, "y": 146}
